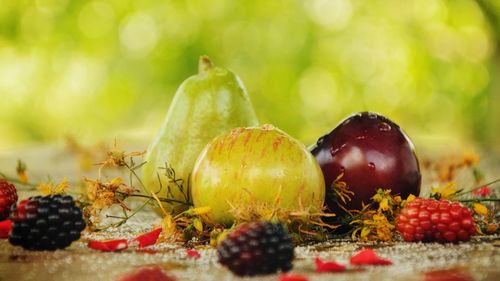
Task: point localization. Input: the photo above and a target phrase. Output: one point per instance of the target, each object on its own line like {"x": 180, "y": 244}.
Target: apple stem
{"x": 204, "y": 64}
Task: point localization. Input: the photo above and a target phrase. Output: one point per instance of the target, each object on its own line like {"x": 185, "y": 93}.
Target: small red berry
{"x": 8, "y": 197}
{"x": 484, "y": 191}
{"x": 430, "y": 220}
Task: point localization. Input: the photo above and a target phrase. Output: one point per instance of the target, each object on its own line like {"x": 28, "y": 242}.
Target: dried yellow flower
{"x": 491, "y": 228}
{"x": 470, "y": 158}
{"x": 375, "y": 220}
{"x": 102, "y": 195}
{"x": 410, "y": 198}
{"x": 198, "y": 225}
{"x": 365, "y": 231}
{"x": 384, "y": 205}
{"x": 199, "y": 211}
{"x": 21, "y": 171}
{"x": 444, "y": 192}
{"x": 50, "y": 188}
{"x": 480, "y": 209}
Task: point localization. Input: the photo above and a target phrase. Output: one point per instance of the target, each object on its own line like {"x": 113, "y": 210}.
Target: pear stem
{"x": 204, "y": 64}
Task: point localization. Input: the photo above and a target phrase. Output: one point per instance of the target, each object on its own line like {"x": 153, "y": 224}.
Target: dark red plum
{"x": 372, "y": 152}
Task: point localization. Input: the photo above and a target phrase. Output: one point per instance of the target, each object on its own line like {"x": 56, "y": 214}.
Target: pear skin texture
{"x": 204, "y": 106}
{"x": 253, "y": 166}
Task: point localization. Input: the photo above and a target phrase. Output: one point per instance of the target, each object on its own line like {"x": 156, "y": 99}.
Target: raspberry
{"x": 8, "y": 197}
{"x": 46, "y": 223}
{"x": 257, "y": 248}
{"x": 431, "y": 220}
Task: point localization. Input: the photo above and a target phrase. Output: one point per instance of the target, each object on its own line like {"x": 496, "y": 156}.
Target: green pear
{"x": 205, "y": 105}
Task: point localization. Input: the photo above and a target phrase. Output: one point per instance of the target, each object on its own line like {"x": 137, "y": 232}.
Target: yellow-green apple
{"x": 256, "y": 166}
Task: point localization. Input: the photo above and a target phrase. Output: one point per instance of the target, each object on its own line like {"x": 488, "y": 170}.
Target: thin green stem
{"x": 135, "y": 174}
{"x": 18, "y": 181}
{"x": 166, "y": 200}
{"x": 478, "y": 187}
{"x": 117, "y": 217}
{"x": 141, "y": 207}
{"x": 126, "y": 216}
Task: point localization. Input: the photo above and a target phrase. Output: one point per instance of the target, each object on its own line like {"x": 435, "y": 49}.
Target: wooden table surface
{"x": 475, "y": 260}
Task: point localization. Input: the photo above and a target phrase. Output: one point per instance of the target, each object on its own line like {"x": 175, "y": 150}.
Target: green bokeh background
{"x": 97, "y": 70}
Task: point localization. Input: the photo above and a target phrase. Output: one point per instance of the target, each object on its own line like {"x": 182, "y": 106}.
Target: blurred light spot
{"x": 36, "y": 26}
{"x": 178, "y": 28}
{"x": 363, "y": 55}
{"x": 466, "y": 13}
{"x": 318, "y": 91}
{"x": 139, "y": 34}
{"x": 331, "y": 14}
{"x": 429, "y": 10}
{"x": 276, "y": 39}
{"x": 234, "y": 44}
{"x": 96, "y": 19}
{"x": 17, "y": 75}
{"x": 80, "y": 80}
{"x": 477, "y": 46}
{"x": 51, "y": 6}
{"x": 213, "y": 9}
{"x": 465, "y": 79}
{"x": 442, "y": 42}
{"x": 76, "y": 79}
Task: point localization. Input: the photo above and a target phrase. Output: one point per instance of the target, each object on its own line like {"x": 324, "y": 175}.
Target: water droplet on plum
{"x": 384, "y": 127}
{"x": 371, "y": 166}
{"x": 334, "y": 151}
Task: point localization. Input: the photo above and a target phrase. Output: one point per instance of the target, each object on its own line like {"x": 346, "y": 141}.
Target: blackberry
{"x": 46, "y": 223}
{"x": 257, "y": 248}
{"x": 8, "y": 197}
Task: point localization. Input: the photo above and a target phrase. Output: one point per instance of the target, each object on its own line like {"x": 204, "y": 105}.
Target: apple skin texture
{"x": 372, "y": 152}
{"x": 254, "y": 166}
{"x": 204, "y": 106}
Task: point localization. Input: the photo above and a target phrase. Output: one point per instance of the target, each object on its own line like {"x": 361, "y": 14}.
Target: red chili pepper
{"x": 193, "y": 254}
{"x": 5, "y": 227}
{"x": 292, "y": 277}
{"x": 109, "y": 245}
{"x": 328, "y": 266}
{"x": 367, "y": 256}
{"x": 147, "y": 239}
